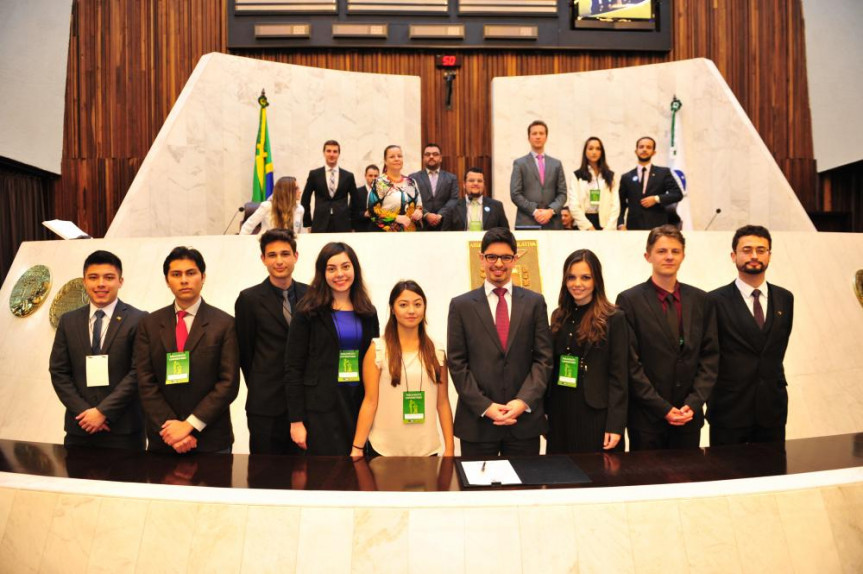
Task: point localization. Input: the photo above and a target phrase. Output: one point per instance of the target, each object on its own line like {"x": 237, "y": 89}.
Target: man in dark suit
{"x": 648, "y": 192}
{"x": 332, "y": 188}
{"x": 188, "y": 364}
{"x": 92, "y": 367}
{"x": 674, "y": 353}
{"x": 500, "y": 357}
{"x": 263, "y": 317}
{"x": 438, "y": 188}
{"x": 360, "y": 220}
{"x": 475, "y": 212}
{"x": 538, "y": 184}
{"x": 750, "y": 400}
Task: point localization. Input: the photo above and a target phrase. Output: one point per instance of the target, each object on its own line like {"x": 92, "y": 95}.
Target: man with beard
{"x": 475, "y": 212}
{"x": 648, "y": 191}
{"x": 438, "y": 188}
{"x": 750, "y": 400}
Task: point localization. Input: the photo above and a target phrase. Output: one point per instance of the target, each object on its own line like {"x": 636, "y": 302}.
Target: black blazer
{"x": 493, "y": 215}
{"x": 119, "y": 400}
{"x": 359, "y": 203}
{"x": 312, "y": 361}
{"x": 751, "y": 387}
{"x": 214, "y": 371}
{"x": 326, "y": 208}
{"x": 661, "y": 183}
{"x": 442, "y": 201}
{"x": 262, "y": 334}
{"x": 483, "y": 373}
{"x": 603, "y": 373}
{"x": 661, "y": 373}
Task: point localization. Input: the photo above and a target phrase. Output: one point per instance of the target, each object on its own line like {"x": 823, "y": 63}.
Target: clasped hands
{"x": 178, "y": 434}
{"x": 679, "y": 417}
{"x": 505, "y": 415}
{"x": 405, "y": 221}
{"x": 92, "y": 420}
{"x": 543, "y": 216}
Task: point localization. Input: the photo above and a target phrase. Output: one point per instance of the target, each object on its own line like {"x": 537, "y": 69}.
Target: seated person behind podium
{"x": 586, "y": 401}
{"x": 395, "y": 203}
{"x": 188, "y": 365}
{"x": 92, "y": 367}
{"x": 333, "y": 326}
{"x": 538, "y": 185}
{"x": 500, "y": 355}
{"x": 475, "y": 212}
{"x": 647, "y": 192}
{"x": 594, "y": 199}
{"x": 406, "y": 384}
{"x": 280, "y": 211}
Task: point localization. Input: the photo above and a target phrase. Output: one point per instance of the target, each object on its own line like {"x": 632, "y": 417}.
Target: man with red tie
{"x": 188, "y": 364}
{"x": 648, "y": 193}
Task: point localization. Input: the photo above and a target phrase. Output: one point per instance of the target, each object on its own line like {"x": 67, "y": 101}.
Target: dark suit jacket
{"x": 119, "y": 400}
{"x": 328, "y": 208}
{"x": 359, "y": 204}
{"x": 751, "y": 388}
{"x": 312, "y": 361}
{"x": 483, "y": 373}
{"x": 528, "y": 193}
{"x": 493, "y": 215}
{"x": 660, "y": 183}
{"x": 262, "y": 334}
{"x": 661, "y": 373}
{"x": 442, "y": 201}
{"x": 214, "y": 372}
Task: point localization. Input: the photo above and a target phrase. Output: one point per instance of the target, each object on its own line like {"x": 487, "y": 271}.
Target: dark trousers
{"x": 270, "y": 435}
{"x": 720, "y": 436}
{"x": 134, "y": 441}
{"x": 505, "y": 447}
{"x": 667, "y": 438}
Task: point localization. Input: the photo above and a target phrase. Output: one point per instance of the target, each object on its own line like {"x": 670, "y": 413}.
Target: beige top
{"x": 390, "y": 435}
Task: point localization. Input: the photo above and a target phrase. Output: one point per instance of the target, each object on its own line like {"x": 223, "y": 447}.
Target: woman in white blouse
{"x": 593, "y": 197}
{"x": 281, "y": 211}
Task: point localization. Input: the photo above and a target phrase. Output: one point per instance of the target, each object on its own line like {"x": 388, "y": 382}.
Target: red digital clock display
{"x": 448, "y": 61}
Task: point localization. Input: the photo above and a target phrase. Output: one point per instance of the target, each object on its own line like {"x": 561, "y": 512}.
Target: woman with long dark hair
{"x": 405, "y": 379}
{"x": 332, "y": 326}
{"x": 587, "y": 392}
{"x": 394, "y": 202}
{"x": 593, "y": 197}
{"x": 280, "y": 211}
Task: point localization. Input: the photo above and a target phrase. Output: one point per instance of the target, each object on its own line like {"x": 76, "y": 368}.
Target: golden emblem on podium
{"x": 71, "y": 296}
{"x": 30, "y": 291}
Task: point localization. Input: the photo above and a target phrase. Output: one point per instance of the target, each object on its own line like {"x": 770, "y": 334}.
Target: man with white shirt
{"x": 750, "y": 401}
{"x": 500, "y": 357}
{"x": 475, "y": 212}
{"x": 648, "y": 192}
{"x": 91, "y": 363}
{"x": 332, "y": 188}
{"x": 537, "y": 186}
{"x": 438, "y": 188}
{"x": 188, "y": 364}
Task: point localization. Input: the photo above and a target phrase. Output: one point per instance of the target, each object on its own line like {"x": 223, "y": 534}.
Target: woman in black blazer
{"x": 332, "y": 327}
{"x": 587, "y": 392}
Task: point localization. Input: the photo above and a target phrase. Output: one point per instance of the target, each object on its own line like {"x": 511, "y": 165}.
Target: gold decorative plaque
{"x": 858, "y": 285}
{"x": 524, "y": 274}
{"x": 71, "y": 296}
{"x": 30, "y": 291}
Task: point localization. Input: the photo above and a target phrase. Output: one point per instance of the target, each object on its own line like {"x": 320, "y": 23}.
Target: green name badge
{"x": 474, "y": 226}
{"x": 177, "y": 370}
{"x": 568, "y": 375}
{"x": 594, "y": 196}
{"x": 414, "y": 407}
{"x": 349, "y": 366}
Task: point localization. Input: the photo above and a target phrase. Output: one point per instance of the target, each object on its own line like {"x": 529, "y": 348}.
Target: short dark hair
{"x": 565, "y": 208}
{"x": 756, "y": 230}
{"x": 432, "y": 144}
{"x": 101, "y": 257}
{"x": 273, "y": 235}
{"x": 473, "y": 170}
{"x": 666, "y": 230}
{"x": 498, "y": 235}
{"x": 535, "y": 123}
{"x": 190, "y": 253}
{"x": 645, "y": 138}
{"x": 371, "y": 166}
{"x": 331, "y": 142}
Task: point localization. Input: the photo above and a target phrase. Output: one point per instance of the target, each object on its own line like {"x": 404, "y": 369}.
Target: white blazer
{"x": 578, "y": 200}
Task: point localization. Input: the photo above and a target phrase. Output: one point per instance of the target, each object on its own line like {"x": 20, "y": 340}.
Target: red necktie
{"x": 182, "y": 332}
{"x": 501, "y": 316}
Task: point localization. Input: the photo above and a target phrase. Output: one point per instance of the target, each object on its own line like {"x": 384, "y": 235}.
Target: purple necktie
{"x": 757, "y": 310}
{"x": 540, "y": 163}
{"x": 501, "y": 316}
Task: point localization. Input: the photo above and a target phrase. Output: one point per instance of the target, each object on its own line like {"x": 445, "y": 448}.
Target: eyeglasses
{"x": 757, "y": 250}
{"x": 492, "y": 258}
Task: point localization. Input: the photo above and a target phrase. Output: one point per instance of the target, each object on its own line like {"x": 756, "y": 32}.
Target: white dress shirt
{"x": 746, "y": 292}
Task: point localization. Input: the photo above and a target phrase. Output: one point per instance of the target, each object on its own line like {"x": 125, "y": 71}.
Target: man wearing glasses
{"x": 750, "y": 401}
{"x": 438, "y": 188}
{"x": 500, "y": 357}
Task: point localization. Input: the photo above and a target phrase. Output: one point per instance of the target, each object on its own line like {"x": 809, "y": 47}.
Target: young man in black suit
{"x": 92, "y": 366}
{"x": 500, "y": 357}
{"x": 360, "y": 220}
{"x": 750, "y": 400}
{"x": 263, "y": 315}
{"x": 333, "y": 188}
{"x": 648, "y": 192}
{"x": 188, "y": 364}
{"x": 438, "y": 188}
{"x": 674, "y": 353}
{"x": 475, "y": 212}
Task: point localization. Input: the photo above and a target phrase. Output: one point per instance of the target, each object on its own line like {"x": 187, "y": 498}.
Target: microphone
{"x": 712, "y": 219}
{"x": 241, "y": 209}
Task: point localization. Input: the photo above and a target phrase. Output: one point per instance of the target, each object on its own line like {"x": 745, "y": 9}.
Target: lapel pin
{"x": 634, "y": 178}
{"x": 487, "y": 208}
{"x": 779, "y": 313}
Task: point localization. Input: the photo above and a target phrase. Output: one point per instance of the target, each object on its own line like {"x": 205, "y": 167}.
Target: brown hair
{"x": 594, "y": 325}
{"x": 319, "y": 297}
{"x": 391, "y": 338}
{"x": 666, "y": 230}
{"x": 535, "y": 123}
{"x": 284, "y": 202}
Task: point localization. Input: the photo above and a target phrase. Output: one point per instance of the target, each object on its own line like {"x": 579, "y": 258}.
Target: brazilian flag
{"x": 262, "y": 185}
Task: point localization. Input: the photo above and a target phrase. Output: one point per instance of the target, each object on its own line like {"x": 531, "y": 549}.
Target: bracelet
{"x": 357, "y": 447}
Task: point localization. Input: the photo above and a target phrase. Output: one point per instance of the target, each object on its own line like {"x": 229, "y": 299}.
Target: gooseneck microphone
{"x": 241, "y": 209}
{"x": 712, "y": 219}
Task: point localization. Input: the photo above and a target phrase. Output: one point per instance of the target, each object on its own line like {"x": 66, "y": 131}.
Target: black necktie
{"x": 757, "y": 310}
{"x": 286, "y": 307}
{"x": 97, "y": 332}
{"x": 671, "y": 316}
